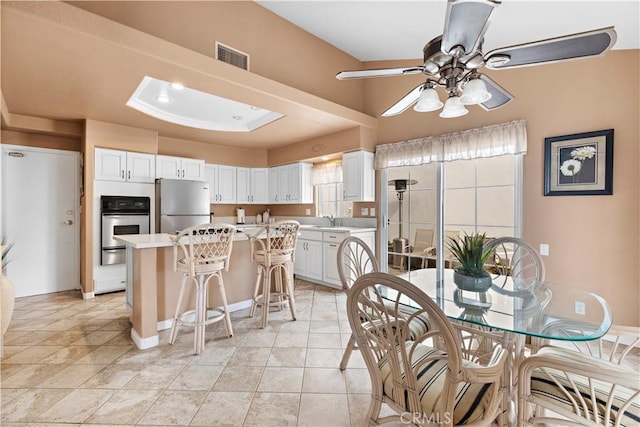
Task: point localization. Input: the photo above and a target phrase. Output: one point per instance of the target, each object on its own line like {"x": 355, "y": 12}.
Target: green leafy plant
{"x": 470, "y": 253}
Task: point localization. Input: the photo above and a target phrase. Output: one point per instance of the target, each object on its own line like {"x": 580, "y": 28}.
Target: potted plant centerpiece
{"x": 470, "y": 253}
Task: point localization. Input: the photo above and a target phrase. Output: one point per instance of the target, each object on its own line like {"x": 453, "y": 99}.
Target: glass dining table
{"x": 544, "y": 312}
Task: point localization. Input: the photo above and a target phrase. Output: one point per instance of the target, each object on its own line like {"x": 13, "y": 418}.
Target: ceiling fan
{"x": 453, "y": 59}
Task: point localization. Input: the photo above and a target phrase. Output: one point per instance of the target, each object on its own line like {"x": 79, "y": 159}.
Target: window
{"x": 329, "y": 201}
{"x": 327, "y": 179}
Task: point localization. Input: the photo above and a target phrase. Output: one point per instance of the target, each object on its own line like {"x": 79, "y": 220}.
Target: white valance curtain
{"x": 489, "y": 141}
{"x": 326, "y": 173}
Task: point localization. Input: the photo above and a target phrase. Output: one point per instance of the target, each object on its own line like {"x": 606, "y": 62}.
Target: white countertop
{"x": 160, "y": 240}
{"x": 336, "y": 228}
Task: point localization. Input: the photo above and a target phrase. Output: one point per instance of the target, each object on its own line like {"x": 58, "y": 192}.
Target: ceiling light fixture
{"x": 453, "y": 108}
{"x": 190, "y": 107}
{"x": 429, "y": 100}
{"x": 475, "y": 92}
{"x": 469, "y": 90}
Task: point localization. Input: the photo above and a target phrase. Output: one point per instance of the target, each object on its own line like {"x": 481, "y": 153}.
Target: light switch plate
{"x": 308, "y": 211}
{"x": 372, "y": 211}
{"x": 364, "y": 211}
{"x": 544, "y": 249}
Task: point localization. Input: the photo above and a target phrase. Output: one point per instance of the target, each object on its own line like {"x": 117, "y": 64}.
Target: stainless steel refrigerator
{"x": 181, "y": 204}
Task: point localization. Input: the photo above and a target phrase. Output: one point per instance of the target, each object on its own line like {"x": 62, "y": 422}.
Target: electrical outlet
{"x": 308, "y": 211}
{"x": 364, "y": 211}
{"x": 580, "y": 308}
{"x": 372, "y": 211}
{"x": 544, "y": 249}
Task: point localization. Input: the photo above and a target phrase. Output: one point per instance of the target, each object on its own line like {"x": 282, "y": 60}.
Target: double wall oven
{"x": 121, "y": 215}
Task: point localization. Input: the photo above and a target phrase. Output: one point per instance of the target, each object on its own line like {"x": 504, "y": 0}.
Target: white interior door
{"x": 40, "y": 200}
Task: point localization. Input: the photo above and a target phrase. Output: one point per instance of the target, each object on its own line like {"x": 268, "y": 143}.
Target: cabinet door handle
{"x": 122, "y": 173}
{"x": 333, "y": 245}
{"x": 129, "y": 175}
{"x": 178, "y": 173}
{"x": 183, "y": 173}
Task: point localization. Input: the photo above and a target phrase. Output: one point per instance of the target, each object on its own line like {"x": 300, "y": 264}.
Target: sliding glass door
{"x": 427, "y": 204}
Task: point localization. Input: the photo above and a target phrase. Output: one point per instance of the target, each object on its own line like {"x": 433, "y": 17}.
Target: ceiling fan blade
{"x": 407, "y": 101}
{"x": 379, "y": 72}
{"x": 465, "y": 24}
{"x": 499, "y": 95}
{"x": 571, "y": 46}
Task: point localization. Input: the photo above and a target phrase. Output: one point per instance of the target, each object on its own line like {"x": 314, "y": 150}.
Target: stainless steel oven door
{"x": 113, "y": 252}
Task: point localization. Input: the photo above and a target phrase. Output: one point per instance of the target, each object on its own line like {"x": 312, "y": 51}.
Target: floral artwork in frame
{"x": 579, "y": 164}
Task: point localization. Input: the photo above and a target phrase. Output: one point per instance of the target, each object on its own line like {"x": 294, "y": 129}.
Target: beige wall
{"x": 594, "y": 240}
{"x": 42, "y": 141}
{"x": 277, "y": 49}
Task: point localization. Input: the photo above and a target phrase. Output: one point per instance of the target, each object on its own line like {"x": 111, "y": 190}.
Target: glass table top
{"x": 547, "y": 310}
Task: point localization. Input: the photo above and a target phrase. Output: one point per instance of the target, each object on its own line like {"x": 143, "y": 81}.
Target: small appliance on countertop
{"x": 239, "y": 216}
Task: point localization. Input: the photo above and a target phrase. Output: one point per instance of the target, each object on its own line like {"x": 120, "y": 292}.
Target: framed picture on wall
{"x": 579, "y": 164}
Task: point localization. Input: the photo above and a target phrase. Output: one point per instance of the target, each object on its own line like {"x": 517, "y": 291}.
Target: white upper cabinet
{"x": 274, "y": 184}
{"x": 222, "y": 183}
{"x": 117, "y": 165}
{"x": 291, "y": 183}
{"x": 243, "y": 185}
{"x": 171, "y": 167}
{"x": 260, "y": 186}
{"x": 253, "y": 185}
{"x": 358, "y": 180}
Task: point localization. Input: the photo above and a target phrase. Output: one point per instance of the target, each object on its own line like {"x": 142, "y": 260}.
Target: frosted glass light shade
{"x": 475, "y": 92}
{"x": 453, "y": 108}
{"x": 428, "y": 101}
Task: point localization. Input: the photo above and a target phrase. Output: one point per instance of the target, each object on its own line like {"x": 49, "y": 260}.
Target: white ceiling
{"x": 384, "y": 30}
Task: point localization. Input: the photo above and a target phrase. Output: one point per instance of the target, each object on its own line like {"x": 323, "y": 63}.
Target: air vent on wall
{"x": 232, "y": 56}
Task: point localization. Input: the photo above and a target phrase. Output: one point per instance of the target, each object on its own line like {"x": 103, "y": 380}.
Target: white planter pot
{"x": 7, "y": 303}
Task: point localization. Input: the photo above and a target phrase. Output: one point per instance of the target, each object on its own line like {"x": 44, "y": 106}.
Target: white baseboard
{"x": 88, "y": 295}
{"x": 165, "y": 324}
{"x": 144, "y": 343}
{"x": 236, "y": 306}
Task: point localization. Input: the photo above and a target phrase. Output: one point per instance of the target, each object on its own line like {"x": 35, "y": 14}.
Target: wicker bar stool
{"x": 206, "y": 250}
{"x": 273, "y": 249}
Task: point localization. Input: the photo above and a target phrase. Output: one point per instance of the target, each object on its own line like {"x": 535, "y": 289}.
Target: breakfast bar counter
{"x": 153, "y": 286}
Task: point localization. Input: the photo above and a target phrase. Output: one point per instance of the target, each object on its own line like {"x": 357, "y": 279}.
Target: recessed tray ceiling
{"x": 189, "y": 107}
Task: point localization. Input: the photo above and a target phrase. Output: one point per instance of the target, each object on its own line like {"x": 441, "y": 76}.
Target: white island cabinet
{"x": 153, "y": 286}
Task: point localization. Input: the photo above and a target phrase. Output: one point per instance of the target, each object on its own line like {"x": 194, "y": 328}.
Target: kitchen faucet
{"x": 331, "y": 219}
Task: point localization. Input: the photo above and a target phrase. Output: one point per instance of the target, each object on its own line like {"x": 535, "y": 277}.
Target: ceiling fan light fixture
{"x": 475, "y": 92}
{"x": 428, "y": 101}
{"x": 453, "y": 108}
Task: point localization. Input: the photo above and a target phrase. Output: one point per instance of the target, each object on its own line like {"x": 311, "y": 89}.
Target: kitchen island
{"x": 153, "y": 286}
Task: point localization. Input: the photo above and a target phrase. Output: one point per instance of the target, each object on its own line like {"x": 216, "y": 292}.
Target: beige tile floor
{"x": 72, "y": 361}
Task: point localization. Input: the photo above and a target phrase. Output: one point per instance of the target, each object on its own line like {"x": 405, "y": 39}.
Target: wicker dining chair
{"x": 585, "y": 383}
{"x": 355, "y": 258}
{"x": 425, "y": 378}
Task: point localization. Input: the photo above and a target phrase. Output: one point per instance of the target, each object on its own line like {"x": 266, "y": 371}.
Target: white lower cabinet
{"x": 317, "y": 254}
{"x": 308, "y": 259}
